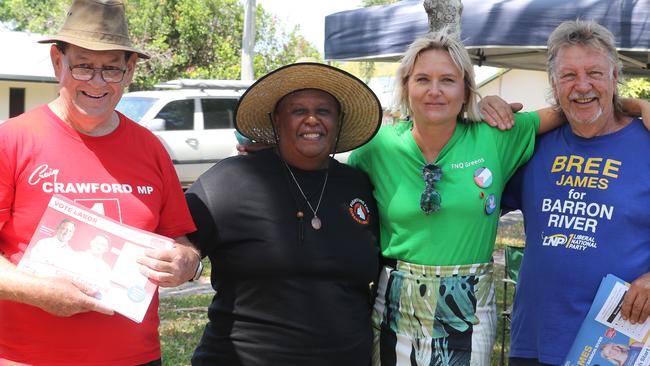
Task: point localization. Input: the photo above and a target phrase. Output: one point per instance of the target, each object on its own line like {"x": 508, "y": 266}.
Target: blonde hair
{"x": 442, "y": 41}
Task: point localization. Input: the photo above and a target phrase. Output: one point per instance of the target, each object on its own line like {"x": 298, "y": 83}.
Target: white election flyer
{"x": 73, "y": 241}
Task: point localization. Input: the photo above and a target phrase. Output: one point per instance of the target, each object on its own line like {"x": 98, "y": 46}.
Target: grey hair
{"x": 587, "y": 34}
{"x": 442, "y": 41}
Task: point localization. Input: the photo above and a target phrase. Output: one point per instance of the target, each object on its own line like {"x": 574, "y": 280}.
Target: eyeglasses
{"x": 430, "y": 199}
{"x": 87, "y": 73}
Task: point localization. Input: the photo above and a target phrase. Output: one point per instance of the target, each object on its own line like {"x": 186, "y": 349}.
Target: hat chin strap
{"x": 338, "y": 134}
{"x": 275, "y": 135}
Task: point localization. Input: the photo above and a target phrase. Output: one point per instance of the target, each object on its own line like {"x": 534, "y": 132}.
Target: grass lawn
{"x": 182, "y": 318}
{"x": 181, "y": 326}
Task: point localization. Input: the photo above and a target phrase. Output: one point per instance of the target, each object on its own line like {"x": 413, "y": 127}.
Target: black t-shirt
{"x": 286, "y": 294}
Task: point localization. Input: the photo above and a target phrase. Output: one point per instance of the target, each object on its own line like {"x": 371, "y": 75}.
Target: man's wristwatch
{"x": 199, "y": 270}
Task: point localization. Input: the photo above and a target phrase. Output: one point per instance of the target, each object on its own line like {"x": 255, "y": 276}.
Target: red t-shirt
{"x": 128, "y": 175}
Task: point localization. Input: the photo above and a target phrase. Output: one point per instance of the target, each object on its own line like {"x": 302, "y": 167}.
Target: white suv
{"x": 194, "y": 121}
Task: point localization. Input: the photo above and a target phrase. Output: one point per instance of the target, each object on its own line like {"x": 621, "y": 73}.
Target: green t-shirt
{"x": 462, "y": 231}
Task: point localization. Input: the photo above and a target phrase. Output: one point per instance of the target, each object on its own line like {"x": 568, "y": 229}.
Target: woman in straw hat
{"x": 291, "y": 233}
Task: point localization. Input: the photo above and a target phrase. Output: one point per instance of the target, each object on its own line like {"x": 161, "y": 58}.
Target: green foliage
{"x": 186, "y": 38}
{"x": 367, "y": 68}
{"x": 636, "y": 88}
{"x": 280, "y": 49}
{"x": 38, "y": 16}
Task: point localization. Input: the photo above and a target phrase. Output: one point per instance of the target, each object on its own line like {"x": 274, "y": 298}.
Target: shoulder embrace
{"x": 527, "y": 119}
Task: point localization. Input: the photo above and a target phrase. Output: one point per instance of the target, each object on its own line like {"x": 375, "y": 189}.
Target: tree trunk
{"x": 444, "y": 13}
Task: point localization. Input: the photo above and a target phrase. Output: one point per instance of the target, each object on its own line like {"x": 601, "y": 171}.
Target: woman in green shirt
{"x": 438, "y": 179}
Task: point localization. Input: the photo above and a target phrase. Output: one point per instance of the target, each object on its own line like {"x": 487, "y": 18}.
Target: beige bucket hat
{"x": 361, "y": 108}
{"x": 98, "y": 25}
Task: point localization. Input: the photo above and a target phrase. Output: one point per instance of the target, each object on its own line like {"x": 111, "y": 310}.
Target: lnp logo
{"x": 359, "y": 211}
{"x": 554, "y": 240}
{"x": 573, "y": 241}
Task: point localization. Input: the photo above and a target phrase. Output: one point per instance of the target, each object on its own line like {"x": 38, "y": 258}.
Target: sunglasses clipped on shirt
{"x": 430, "y": 199}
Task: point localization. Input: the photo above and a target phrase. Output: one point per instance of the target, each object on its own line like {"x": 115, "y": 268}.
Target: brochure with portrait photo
{"x": 76, "y": 242}
{"x": 606, "y": 339}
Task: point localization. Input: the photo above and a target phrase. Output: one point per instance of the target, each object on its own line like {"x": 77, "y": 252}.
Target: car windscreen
{"x": 135, "y": 107}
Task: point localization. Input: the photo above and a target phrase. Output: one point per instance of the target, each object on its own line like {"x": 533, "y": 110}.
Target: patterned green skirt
{"x": 434, "y": 315}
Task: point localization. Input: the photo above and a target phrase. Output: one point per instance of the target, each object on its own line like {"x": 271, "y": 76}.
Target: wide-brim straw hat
{"x": 97, "y": 25}
{"x": 361, "y": 109}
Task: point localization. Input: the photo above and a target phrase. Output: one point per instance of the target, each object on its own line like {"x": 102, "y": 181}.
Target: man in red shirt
{"x": 78, "y": 146}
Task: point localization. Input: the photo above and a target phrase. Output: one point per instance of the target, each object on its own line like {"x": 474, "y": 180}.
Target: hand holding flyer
{"x": 78, "y": 243}
{"x": 604, "y": 337}
{"x": 610, "y": 314}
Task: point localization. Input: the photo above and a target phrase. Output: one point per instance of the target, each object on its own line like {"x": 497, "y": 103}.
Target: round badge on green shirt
{"x": 483, "y": 177}
{"x": 490, "y": 204}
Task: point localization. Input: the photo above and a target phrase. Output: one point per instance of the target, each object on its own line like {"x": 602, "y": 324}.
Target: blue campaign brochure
{"x": 605, "y": 339}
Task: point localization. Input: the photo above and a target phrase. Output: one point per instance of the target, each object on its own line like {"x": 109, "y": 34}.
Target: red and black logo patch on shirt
{"x": 359, "y": 211}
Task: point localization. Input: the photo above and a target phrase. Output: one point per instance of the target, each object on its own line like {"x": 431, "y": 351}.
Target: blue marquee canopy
{"x": 501, "y": 33}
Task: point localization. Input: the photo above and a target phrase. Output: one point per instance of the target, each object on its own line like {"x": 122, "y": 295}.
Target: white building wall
{"x": 523, "y": 86}
{"x": 38, "y": 94}
{"x": 35, "y": 94}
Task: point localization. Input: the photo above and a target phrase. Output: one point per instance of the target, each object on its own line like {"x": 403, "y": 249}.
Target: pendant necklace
{"x": 315, "y": 221}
